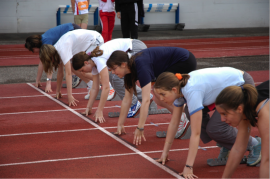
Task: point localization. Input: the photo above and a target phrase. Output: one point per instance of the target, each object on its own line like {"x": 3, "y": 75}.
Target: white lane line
{"x": 213, "y": 42}
{"x": 100, "y": 156}
{"x": 74, "y": 130}
{"x": 111, "y": 135}
{"x": 30, "y": 112}
{"x": 36, "y": 95}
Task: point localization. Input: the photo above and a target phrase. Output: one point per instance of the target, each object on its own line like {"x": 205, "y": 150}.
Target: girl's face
{"x": 120, "y": 71}
{"x": 167, "y": 96}
{"x": 87, "y": 68}
{"x": 231, "y": 117}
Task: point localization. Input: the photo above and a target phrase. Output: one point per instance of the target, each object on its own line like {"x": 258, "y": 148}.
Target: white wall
{"x": 20, "y": 16}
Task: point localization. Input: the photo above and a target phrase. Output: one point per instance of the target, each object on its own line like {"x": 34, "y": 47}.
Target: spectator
{"x": 107, "y": 18}
{"x": 80, "y": 10}
{"x": 130, "y": 13}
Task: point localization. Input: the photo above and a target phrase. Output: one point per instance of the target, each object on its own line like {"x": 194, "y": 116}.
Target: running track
{"x": 41, "y": 137}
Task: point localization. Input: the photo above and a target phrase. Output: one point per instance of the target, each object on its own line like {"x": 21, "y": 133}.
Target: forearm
{"x": 49, "y": 75}
{"x": 103, "y": 98}
{"x": 172, "y": 128}
{"x": 69, "y": 84}
{"x": 193, "y": 148}
{"x": 126, "y": 103}
{"x": 92, "y": 98}
{"x": 60, "y": 75}
{"x": 233, "y": 162}
{"x": 40, "y": 71}
{"x": 143, "y": 113}
{"x": 264, "y": 169}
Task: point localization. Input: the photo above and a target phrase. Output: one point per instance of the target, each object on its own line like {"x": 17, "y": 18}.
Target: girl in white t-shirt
{"x": 199, "y": 90}
{"x": 95, "y": 62}
{"x": 60, "y": 54}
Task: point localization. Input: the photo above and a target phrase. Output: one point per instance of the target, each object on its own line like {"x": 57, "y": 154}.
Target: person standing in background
{"x": 107, "y": 18}
{"x": 130, "y": 13}
{"x": 80, "y": 10}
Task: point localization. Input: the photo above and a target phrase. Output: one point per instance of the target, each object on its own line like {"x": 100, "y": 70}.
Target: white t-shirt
{"x": 123, "y": 44}
{"x": 74, "y": 42}
{"x": 81, "y": 7}
{"x": 204, "y": 86}
{"x": 106, "y": 6}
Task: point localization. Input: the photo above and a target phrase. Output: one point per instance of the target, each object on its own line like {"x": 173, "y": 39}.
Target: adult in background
{"x": 130, "y": 13}
{"x": 50, "y": 37}
{"x": 107, "y": 18}
{"x": 80, "y": 10}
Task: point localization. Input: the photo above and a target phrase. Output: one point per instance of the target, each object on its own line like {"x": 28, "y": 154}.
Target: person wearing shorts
{"x": 50, "y": 37}
{"x": 145, "y": 67}
{"x": 80, "y": 10}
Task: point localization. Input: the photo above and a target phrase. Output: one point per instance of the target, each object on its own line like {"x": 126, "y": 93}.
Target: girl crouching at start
{"x": 243, "y": 107}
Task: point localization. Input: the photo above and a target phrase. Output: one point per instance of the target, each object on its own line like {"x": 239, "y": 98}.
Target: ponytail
{"x": 167, "y": 80}
{"x": 233, "y": 96}
{"x": 49, "y": 57}
{"x": 32, "y": 42}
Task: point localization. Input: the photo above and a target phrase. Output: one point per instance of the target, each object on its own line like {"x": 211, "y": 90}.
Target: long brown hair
{"x": 79, "y": 59}
{"x": 167, "y": 80}
{"x": 49, "y": 57}
{"x": 233, "y": 96}
{"x": 117, "y": 58}
{"x": 34, "y": 41}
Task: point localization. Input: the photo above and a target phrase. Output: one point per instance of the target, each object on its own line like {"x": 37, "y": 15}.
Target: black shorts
{"x": 184, "y": 67}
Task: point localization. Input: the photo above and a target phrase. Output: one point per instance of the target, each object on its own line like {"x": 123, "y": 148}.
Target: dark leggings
{"x": 76, "y": 26}
{"x": 184, "y": 67}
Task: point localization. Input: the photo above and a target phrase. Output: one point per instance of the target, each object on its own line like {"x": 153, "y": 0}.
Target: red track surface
{"x": 40, "y": 138}
{"x": 13, "y": 55}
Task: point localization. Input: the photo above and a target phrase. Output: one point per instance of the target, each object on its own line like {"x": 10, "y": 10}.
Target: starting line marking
{"x": 101, "y": 156}
{"x": 111, "y": 135}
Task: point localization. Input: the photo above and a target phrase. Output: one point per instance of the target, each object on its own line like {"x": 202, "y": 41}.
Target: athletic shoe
{"x": 88, "y": 93}
{"x": 111, "y": 94}
{"x": 75, "y": 81}
{"x": 254, "y": 156}
{"x": 184, "y": 124}
{"x": 224, "y": 153}
{"x": 133, "y": 110}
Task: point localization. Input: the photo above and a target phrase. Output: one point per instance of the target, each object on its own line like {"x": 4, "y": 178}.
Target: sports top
{"x": 204, "y": 86}
{"x": 123, "y": 44}
{"x": 52, "y": 35}
{"x": 74, "y": 42}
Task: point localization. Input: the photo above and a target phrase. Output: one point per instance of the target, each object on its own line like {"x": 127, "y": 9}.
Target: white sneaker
{"x": 184, "y": 124}
{"x": 111, "y": 94}
{"x": 88, "y": 94}
{"x": 134, "y": 109}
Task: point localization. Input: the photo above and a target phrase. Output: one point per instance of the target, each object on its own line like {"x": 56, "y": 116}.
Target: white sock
{"x": 90, "y": 83}
{"x": 110, "y": 84}
{"x": 254, "y": 141}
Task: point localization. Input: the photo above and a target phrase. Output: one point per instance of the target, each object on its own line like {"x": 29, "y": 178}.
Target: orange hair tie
{"x": 178, "y": 76}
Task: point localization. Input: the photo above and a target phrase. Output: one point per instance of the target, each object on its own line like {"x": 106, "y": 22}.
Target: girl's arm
{"x": 93, "y": 94}
{"x": 125, "y": 105}
{"x": 104, "y": 77}
{"x": 239, "y": 148}
{"x": 71, "y": 99}
{"x": 138, "y": 135}
{"x": 73, "y": 5}
{"x": 195, "y": 122}
{"x": 263, "y": 125}
{"x": 60, "y": 75}
{"x": 172, "y": 129}
{"x": 39, "y": 74}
